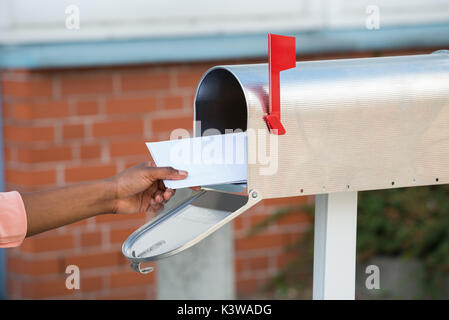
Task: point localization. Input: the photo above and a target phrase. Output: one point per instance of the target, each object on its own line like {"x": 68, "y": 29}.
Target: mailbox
{"x": 351, "y": 125}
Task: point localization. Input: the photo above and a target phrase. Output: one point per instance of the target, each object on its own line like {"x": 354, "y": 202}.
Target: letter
{"x": 267, "y": 309}
{"x": 239, "y": 143}
{"x": 190, "y": 310}
{"x": 180, "y": 153}
{"x": 252, "y": 146}
{"x": 179, "y": 134}
{"x": 228, "y": 147}
{"x": 212, "y": 132}
{"x": 213, "y": 150}
{"x": 224, "y": 309}
{"x": 72, "y": 21}
{"x": 258, "y": 309}
{"x": 73, "y": 280}
{"x": 249, "y": 310}
{"x": 196, "y": 151}
{"x": 240, "y": 309}
{"x": 373, "y": 280}
{"x": 207, "y": 311}
{"x": 372, "y": 21}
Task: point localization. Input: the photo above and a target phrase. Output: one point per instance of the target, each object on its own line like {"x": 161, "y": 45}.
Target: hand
{"x": 140, "y": 188}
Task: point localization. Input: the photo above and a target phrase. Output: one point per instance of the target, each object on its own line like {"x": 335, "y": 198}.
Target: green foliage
{"x": 408, "y": 223}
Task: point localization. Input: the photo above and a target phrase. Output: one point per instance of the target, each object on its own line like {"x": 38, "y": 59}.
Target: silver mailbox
{"x": 351, "y": 125}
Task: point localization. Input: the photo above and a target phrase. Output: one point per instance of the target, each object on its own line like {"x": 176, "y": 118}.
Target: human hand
{"x": 140, "y": 188}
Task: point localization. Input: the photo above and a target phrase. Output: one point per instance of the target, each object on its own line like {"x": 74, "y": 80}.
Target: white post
{"x": 335, "y": 246}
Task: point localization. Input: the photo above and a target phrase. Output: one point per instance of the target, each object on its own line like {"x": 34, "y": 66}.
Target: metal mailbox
{"x": 351, "y": 125}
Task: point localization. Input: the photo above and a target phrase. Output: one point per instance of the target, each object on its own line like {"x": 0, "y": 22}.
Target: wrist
{"x": 109, "y": 196}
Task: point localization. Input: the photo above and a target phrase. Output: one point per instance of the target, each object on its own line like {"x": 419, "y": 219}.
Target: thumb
{"x": 168, "y": 173}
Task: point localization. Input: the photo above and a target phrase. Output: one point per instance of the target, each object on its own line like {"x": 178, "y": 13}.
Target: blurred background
{"x": 85, "y": 83}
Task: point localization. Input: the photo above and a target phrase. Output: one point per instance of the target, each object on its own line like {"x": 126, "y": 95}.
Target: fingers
{"x": 161, "y": 190}
{"x": 159, "y": 198}
{"x": 168, "y": 194}
{"x": 168, "y": 173}
{"x": 163, "y": 196}
{"x": 153, "y": 201}
{"x": 161, "y": 185}
{"x": 151, "y": 162}
{"x": 158, "y": 193}
{"x": 155, "y": 206}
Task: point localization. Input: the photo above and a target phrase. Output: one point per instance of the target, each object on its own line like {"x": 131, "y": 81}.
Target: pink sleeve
{"x": 13, "y": 219}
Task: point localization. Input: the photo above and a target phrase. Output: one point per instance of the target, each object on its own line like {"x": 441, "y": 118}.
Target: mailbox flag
{"x": 281, "y": 56}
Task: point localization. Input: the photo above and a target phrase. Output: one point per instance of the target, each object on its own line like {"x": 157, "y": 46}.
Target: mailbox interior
{"x": 220, "y": 103}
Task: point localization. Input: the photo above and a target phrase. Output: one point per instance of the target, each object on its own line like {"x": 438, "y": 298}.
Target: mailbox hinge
{"x": 136, "y": 267}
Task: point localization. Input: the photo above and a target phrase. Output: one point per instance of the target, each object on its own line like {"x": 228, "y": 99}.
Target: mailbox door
{"x": 187, "y": 218}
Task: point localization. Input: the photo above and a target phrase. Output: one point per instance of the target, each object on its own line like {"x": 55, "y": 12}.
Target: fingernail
{"x": 183, "y": 173}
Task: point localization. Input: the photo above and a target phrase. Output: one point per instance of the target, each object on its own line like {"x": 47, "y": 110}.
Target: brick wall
{"x": 67, "y": 126}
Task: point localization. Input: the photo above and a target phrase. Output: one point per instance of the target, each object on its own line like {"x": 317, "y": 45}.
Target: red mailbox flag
{"x": 281, "y": 56}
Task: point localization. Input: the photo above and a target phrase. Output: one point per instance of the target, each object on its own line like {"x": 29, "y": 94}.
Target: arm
{"x": 137, "y": 189}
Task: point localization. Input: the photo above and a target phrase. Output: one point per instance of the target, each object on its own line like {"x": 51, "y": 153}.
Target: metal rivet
{"x": 254, "y": 194}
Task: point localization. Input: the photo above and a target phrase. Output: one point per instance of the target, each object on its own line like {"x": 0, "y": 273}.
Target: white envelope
{"x": 209, "y": 160}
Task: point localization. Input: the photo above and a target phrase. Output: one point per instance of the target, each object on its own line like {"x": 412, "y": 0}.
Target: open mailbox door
{"x": 187, "y": 218}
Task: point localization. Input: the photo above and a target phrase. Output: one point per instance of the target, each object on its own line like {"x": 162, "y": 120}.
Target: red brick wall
{"x": 66, "y": 126}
